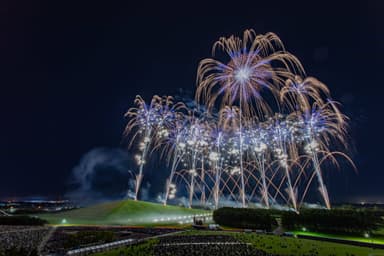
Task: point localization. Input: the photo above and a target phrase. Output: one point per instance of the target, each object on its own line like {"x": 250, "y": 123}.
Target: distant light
{"x": 63, "y": 221}
{"x": 366, "y": 235}
{"x": 304, "y": 229}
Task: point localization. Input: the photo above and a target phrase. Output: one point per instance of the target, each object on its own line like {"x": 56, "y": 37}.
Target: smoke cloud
{"x": 102, "y": 174}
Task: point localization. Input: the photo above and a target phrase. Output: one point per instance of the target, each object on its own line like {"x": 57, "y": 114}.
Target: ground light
{"x": 183, "y": 219}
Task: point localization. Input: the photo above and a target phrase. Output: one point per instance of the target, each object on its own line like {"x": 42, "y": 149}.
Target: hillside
{"x": 125, "y": 212}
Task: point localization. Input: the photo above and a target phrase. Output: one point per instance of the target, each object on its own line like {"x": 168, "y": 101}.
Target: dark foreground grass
{"x": 294, "y": 246}
{"x": 285, "y": 246}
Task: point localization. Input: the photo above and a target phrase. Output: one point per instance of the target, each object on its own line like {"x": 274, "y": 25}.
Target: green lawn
{"x": 284, "y": 246}
{"x": 125, "y": 212}
{"x": 379, "y": 233}
{"x": 370, "y": 239}
{"x": 293, "y": 246}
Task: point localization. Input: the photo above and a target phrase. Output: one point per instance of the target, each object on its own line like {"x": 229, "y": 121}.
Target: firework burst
{"x": 262, "y": 137}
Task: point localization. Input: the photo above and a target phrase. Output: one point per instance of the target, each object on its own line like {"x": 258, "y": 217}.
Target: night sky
{"x": 70, "y": 71}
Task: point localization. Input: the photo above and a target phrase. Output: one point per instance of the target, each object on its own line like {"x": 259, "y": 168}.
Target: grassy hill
{"x": 125, "y": 212}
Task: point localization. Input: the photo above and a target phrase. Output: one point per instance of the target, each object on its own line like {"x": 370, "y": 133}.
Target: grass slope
{"x": 125, "y": 212}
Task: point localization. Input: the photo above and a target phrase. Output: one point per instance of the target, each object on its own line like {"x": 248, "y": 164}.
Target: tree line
{"x": 334, "y": 220}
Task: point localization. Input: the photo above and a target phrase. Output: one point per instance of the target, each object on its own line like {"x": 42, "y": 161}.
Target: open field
{"x": 294, "y": 246}
{"x": 125, "y": 212}
{"x": 369, "y": 239}
{"x": 284, "y": 246}
{"x": 139, "y": 213}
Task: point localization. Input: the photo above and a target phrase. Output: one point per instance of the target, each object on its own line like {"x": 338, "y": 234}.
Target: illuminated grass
{"x": 343, "y": 237}
{"x": 125, "y": 212}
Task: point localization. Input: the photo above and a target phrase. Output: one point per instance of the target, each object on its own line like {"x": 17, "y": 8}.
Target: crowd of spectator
{"x": 205, "y": 245}
{"x": 12, "y": 228}
{"x": 17, "y": 240}
{"x": 75, "y": 237}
